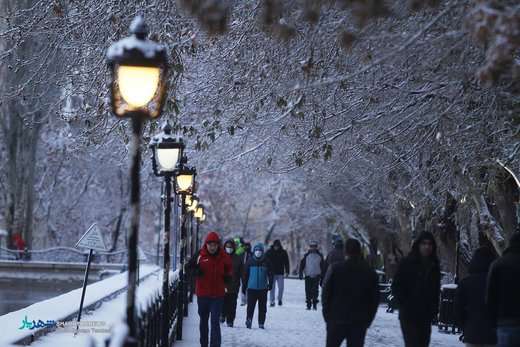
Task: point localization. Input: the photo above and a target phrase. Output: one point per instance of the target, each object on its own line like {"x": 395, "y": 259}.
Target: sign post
{"x": 92, "y": 240}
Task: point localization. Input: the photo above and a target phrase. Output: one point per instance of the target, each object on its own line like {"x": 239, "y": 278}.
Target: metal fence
{"x": 150, "y": 320}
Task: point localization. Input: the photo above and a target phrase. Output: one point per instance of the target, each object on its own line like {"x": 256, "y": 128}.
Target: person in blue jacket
{"x": 258, "y": 276}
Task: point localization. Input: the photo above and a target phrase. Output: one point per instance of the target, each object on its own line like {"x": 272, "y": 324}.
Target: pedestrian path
{"x": 291, "y": 325}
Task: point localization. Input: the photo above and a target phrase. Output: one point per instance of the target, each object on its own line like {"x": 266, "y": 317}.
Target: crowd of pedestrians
{"x": 487, "y": 303}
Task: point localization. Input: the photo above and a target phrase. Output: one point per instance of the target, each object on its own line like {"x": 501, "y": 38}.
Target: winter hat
{"x": 353, "y": 248}
{"x": 277, "y": 243}
{"x": 213, "y": 237}
{"x": 481, "y": 261}
{"x": 313, "y": 243}
{"x": 258, "y": 247}
{"x": 338, "y": 244}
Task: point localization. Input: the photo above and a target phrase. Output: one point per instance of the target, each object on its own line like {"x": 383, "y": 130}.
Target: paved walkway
{"x": 291, "y": 325}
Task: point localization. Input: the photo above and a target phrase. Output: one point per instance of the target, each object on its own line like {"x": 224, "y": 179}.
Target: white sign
{"x": 92, "y": 239}
{"x": 141, "y": 255}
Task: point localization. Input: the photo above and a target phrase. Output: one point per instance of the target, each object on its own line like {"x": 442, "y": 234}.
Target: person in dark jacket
{"x": 503, "y": 294}
{"x": 477, "y": 325}
{"x": 259, "y": 279}
{"x": 213, "y": 269}
{"x": 279, "y": 260}
{"x": 337, "y": 255}
{"x": 312, "y": 266}
{"x": 245, "y": 257}
{"x": 416, "y": 289}
{"x": 232, "y": 287}
{"x": 350, "y": 298}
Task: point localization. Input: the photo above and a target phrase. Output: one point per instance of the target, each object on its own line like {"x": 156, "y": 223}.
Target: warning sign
{"x": 92, "y": 239}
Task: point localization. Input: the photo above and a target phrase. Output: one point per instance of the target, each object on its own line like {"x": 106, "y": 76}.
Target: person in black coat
{"x": 337, "y": 255}
{"x": 416, "y": 289}
{"x": 470, "y": 311}
{"x": 233, "y": 286}
{"x": 503, "y": 294}
{"x": 279, "y": 260}
{"x": 350, "y": 298}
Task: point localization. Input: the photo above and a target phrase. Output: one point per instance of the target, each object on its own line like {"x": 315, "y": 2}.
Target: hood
{"x": 481, "y": 261}
{"x": 212, "y": 237}
{"x": 514, "y": 244}
{"x": 425, "y": 235}
{"x": 277, "y": 243}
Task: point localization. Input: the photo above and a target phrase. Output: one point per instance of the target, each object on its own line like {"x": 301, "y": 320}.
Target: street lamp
{"x": 184, "y": 185}
{"x": 200, "y": 215}
{"x": 138, "y": 89}
{"x": 194, "y": 203}
{"x": 166, "y": 151}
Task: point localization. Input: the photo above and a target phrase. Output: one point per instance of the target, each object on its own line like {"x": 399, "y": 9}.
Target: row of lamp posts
{"x": 139, "y": 84}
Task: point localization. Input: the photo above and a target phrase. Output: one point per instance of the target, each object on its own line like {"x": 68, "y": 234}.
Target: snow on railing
{"x": 62, "y": 308}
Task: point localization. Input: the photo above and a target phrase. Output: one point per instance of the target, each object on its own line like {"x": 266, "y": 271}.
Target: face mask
{"x": 258, "y": 254}
{"x": 229, "y": 250}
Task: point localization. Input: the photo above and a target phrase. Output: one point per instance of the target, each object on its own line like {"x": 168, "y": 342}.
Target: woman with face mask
{"x": 233, "y": 286}
{"x": 259, "y": 279}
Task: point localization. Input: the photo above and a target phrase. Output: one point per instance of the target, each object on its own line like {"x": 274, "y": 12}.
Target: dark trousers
{"x": 312, "y": 287}
{"x": 416, "y": 333}
{"x": 353, "y": 333}
{"x": 254, "y": 295}
{"x": 207, "y": 307}
{"x": 508, "y": 336}
{"x": 230, "y": 307}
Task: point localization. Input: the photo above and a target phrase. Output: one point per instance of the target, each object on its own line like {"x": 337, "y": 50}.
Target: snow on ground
{"x": 291, "y": 325}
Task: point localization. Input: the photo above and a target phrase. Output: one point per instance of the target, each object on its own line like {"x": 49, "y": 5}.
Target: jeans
{"x": 207, "y": 307}
{"x": 353, "y": 333}
{"x": 254, "y": 295}
{"x": 508, "y": 336}
{"x": 278, "y": 279}
{"x": 230, "y": 307}
{"x": 416, "y": 333}
{"x": 312, "y": 287}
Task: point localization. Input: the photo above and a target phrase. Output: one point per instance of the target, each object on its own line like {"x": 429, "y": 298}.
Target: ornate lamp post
{"x": 138, "y": 90}
{"x": 184, "y": 185}
{"x": 166, "y": 151}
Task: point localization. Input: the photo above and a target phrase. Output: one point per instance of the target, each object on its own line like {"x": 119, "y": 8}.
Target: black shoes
{"x": 272, "y": 304}
{"x": 308, "y": 306}
{"x": 222, "y": 319}
{"x": 315, "y": 306}
{"x": 230, "y": 324}
{"x": 261, "y": 326}
{"x": 279, "y": 302}
{"x": 248, "y": 324}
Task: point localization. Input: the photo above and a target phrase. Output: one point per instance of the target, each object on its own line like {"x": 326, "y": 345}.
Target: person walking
{"x": 476, "y": 323}
{"x": 337, "y": 255}
{"x": 349, "y": 298}
{"x": 416, "y": 289}
{"x": 279, "y": 260}
{"x": 213, "y": 270}
{"x": 312, "y": 266}
{"x": 259, "y": 279}
{"x": 503, "y": 294}
{"x": 245, "y": 257}
{"x": 233, "y": 286}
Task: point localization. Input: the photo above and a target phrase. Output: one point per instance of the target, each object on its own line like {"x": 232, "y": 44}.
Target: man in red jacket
{"x": 213, "y": 269}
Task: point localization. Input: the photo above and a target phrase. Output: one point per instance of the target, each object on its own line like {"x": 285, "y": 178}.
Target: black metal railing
{"x": 149, "y": 320}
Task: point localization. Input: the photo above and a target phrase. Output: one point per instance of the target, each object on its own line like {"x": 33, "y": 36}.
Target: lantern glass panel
{"x": 184, "y": 182}
{"x": 138, "y": 84}
{"x": 167, "y": 158}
